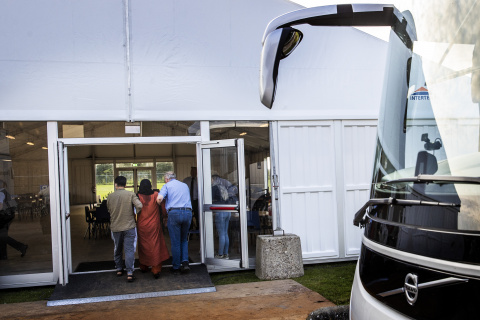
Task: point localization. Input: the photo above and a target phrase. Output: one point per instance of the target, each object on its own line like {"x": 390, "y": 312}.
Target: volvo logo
{"x": 411, "y": 288}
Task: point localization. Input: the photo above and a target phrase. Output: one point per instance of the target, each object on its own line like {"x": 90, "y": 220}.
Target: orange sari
{"x": 152, "y": 250}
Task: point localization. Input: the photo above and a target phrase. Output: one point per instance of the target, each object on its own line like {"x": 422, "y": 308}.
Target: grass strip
{"x": 25, "y": 294}
{"x": 333, "y": 280}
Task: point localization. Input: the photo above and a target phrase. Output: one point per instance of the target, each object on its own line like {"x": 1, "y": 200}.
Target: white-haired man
{"x": 179, "y": 209}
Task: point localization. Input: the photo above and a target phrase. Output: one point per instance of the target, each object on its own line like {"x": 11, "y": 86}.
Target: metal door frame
{"x": 66, "y": 243}
{"x": 64, "y": 236}
{"x": 203, "y": 170}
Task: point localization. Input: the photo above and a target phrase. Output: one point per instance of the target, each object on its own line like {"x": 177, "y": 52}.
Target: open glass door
{"x": 64, "y": 214}
{"x": 222, "y": 203}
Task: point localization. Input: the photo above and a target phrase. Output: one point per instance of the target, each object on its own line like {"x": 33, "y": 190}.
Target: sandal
{"x": 130, "y": 278}
{"x": 119, "y": 273}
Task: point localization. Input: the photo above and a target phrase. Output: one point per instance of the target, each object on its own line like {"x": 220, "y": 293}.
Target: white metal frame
{"x": 63, "y": 239}
{"x": 64, "y": 213}
{"x": 204, "y": 195}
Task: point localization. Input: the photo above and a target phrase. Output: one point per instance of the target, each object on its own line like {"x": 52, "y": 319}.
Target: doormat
{"x": 106, "y": 286}
{"x": 110, "y": 265}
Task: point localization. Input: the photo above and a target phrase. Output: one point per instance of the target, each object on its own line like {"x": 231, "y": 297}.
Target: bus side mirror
{"x": 277, "y": 45}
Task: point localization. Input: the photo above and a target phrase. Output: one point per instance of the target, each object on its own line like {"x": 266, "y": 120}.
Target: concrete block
{"x": 278, "y": 257}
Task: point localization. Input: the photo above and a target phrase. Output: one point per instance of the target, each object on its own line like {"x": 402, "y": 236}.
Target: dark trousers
{"x": 4, "y": 240}
{"x": 195, "y": 214}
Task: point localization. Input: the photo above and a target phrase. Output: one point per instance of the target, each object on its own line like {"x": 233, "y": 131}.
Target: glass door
{"x": 134, "y": 176}
{"x": 222, "y": 199}
{"x": 129, "y": 174}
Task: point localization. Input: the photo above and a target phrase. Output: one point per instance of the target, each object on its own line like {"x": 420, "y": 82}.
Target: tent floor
{"x": 106, "y": 286}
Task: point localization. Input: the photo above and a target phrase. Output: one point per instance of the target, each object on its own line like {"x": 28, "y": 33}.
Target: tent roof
{"x": 170, "y": 60}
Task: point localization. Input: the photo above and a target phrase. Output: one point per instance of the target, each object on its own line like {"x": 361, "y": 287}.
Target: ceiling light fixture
{"x": 30, "y": 143}
{"x": 44, "y": 148}
{"x": 10, "y": 137}
{"x": 243, "y": 133}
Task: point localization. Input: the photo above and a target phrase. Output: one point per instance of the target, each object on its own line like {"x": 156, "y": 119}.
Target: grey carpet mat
{"x": 106, "y": 286}
{"x": 110, "y": 265}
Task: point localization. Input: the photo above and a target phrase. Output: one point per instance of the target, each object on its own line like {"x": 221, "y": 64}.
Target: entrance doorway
{"x": 95, "y": 252}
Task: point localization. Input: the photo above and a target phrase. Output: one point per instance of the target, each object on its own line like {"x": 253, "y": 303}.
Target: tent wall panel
{"x": 81, "y": 182}
{"x": 183, "y": 166}
{"x": 307, "y": 185}
{"x": 325, "y": 170}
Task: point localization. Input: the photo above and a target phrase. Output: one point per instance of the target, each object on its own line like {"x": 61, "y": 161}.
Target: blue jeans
{"x": 178, "y": 226}
{"x": 221, "y": 222}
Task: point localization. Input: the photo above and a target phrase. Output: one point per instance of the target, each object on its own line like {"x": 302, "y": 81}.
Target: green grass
{"x": 234, "y": 277}
{"x": 104, "y": 189}
{"x": 25, "y": 294}
{"x": 333, "y": 280}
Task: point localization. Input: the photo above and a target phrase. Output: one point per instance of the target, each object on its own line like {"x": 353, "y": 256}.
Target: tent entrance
{"x": 87, "y": 179}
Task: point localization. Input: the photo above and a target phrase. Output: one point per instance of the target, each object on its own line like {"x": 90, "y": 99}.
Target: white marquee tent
{"x": 182, "y": 60}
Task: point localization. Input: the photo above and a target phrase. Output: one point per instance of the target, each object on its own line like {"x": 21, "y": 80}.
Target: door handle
{"x": 210, "y": 207}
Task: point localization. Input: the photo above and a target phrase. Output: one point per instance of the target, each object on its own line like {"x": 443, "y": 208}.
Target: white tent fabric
{"x": 163, "y": 60}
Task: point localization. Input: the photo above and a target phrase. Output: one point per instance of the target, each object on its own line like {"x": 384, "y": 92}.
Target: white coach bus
{"x": 420, "y": 253}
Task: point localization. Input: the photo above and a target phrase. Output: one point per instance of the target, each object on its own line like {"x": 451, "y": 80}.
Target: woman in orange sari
{"x": 152, "y": 250}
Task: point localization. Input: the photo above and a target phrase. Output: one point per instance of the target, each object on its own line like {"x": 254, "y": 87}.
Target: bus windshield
{"x": 429, "y": 125}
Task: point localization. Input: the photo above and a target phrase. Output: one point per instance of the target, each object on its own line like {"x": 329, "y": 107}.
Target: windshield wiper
{"x": 428, "y": 178}
{"x": 359, "y": 216}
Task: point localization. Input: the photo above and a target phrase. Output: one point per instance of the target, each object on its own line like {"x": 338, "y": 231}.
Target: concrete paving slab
{"x": 279, "y": 299}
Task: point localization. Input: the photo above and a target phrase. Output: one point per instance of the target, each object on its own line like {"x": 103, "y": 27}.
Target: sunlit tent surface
{"x": 174, "y": 60}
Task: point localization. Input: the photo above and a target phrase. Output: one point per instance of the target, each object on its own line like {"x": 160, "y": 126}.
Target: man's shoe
{"x": 24, "y": 251}
{"x": 175, "y": 271}
{"x": 185, "y": 268}
{"x": 226, "y": 257}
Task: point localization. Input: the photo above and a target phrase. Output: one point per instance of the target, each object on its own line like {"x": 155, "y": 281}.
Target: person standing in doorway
{"x": 179, "y": 209}
{"x": 221, "y": 218}
{"x": 120, "y": 204}
{"x": 152, "y": 250}
{"x": 192, "y": 184}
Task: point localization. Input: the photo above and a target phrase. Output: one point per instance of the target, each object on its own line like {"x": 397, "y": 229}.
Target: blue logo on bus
{"x": 420, "y": 94}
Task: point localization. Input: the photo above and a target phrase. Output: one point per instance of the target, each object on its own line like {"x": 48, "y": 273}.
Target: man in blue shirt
{"x": 179, "y": 209}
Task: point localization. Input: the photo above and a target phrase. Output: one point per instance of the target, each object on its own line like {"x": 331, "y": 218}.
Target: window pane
{"x": 24, "y": 179}
{"x": 104, "y": 180}
{"x": 162, "y": 167}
